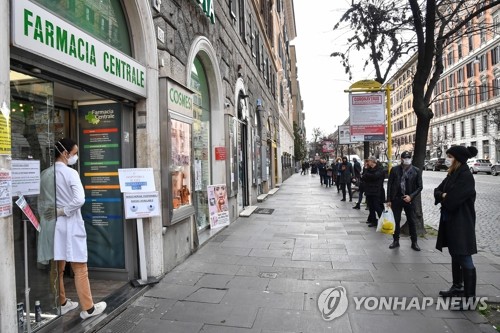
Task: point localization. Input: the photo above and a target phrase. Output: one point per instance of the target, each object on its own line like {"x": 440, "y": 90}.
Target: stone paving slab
{"x": 223, "y": 329}
{"x": 299, "y": 321}
{"x": 264, "y": 299}
{"x": 207, "y": 295}
{"x": 155, "y": 325}
{"x": 376, "y": 323}
{"x": 217, "y": 314}
{"x": 278, "y": 272}
{"x": 265, "y": 274}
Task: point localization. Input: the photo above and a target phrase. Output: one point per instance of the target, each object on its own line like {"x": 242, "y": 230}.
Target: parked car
{"x": 495, "y": 169}
{"x": 428, "y": 165}
{"x": 479, "y": 165}
{"x": 436, "y": 164}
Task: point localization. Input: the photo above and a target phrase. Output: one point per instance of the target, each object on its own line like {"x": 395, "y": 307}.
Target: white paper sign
{"x": 344, "y": 134}
{"x": 136, "y": 180}
{"x": 198, "y": 180}
{"x": 141, "y": 205}
{"x": 25, "y": 177}
{"x": 367, "y": 109}
{"x": 5, "y": 193}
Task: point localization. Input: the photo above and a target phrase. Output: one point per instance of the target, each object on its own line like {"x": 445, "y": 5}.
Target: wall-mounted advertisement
{"x": 367, "y": 117}
{"x": 327, "y": 146}
{"x": 217, "y": 205}
{"x": 345, "y": 134}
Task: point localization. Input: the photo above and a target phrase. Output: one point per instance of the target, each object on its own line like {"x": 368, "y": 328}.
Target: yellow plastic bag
{"x": 386, "y": 223}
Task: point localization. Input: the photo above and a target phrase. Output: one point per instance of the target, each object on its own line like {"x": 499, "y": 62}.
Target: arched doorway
{"x": 242, "y": 152}
{"x": 201, "y": 141}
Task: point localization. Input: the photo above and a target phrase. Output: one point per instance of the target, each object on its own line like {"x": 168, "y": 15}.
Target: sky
{"x": 321, "y": 77}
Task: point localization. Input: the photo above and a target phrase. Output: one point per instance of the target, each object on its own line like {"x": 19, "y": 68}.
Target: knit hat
{"x": 461, "y": 153}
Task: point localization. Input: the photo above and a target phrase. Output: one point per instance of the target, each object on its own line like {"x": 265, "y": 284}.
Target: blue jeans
{"x": 465, "y": 261}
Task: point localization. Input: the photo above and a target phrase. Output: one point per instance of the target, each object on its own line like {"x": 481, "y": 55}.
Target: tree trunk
{"x": 366, "y": 150}
{"x": 424, "y": 118}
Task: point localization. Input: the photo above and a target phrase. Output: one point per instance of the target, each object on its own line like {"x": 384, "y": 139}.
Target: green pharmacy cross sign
{"x": 208, "y": 8}
{"x": 91, "y": 118}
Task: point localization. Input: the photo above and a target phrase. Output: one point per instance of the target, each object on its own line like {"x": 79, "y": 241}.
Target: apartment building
{"x": 466, "y": 100}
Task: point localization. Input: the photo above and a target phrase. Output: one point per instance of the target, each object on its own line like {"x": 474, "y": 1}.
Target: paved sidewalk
{"x": 264, "y": 274}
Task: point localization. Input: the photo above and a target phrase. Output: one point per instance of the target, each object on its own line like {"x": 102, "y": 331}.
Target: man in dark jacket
{"x": 357, "y": 169}
{"x": 373, "y": 184}
{"x": 322, "y": 172}
{"x": 346, "y": 174}
{"x": 405, "y": 183}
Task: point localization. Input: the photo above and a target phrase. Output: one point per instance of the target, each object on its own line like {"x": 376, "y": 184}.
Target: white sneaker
{"x": 98, "y": 309}
{"x": 70, "y": 305}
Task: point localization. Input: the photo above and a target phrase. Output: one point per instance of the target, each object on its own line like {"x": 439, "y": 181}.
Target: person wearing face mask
{"x": 457, "y": 224}
{"x": 70, "y": 237}
{"x": 404, "y": 184}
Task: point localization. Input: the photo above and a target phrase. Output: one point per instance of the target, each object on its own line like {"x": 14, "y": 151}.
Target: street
{"x": 312, "y": 265}
{"x": 487, "y": 208}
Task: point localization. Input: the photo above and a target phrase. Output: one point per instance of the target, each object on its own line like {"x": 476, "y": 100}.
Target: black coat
{"x": 357, "y": 169}
{"x": 373, "y": 181}
{"x": 458, "y": 216}
{"x": 346, "y": 173}
{"x": 322, "y": 169}
{"x": 413, "y": 184}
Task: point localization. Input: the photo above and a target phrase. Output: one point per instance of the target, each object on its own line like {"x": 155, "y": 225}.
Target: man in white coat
{"x": 70, "y": 237}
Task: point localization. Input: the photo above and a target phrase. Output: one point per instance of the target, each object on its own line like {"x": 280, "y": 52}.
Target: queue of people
{"x": 456, "y": 194}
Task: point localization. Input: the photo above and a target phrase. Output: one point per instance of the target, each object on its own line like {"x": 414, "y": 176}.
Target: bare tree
{"x": 315, "y": 144}
{"x": 379, "y": 25}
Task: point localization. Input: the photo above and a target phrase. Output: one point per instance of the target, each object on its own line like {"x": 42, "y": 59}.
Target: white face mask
{"x": 407, "y": 161}
{"x": 72, "y": 160}
{"x": 448, "y": 162}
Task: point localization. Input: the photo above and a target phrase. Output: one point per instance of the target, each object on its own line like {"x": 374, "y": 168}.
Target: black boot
{"x": 414, "y": 246}
{"x": 394, "y": 244}
{"x": 469, "y": 289}
{"x": 356, "y": 206}
{"x": 457, "y": 288}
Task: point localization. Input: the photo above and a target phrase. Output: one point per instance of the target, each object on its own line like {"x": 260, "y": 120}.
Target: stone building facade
{"x": 241, "y": 49}
{"x": 191, "y": 94}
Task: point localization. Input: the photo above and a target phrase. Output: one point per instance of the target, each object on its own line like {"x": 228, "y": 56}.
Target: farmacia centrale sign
{"x": 41, "y": 32}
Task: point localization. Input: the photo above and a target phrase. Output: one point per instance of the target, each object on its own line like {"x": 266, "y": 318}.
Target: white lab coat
{"x": 70, "y": 238}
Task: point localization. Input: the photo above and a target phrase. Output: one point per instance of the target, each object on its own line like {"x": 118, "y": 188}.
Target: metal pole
{"x": 8, "y": 313}
{"x": 389, "y": 126}
{"x": 142, "y": 252}
{"x": 26, "y": 280}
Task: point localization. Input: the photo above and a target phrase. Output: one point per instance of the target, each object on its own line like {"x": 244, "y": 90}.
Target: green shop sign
{"x": 180, "y": 99}
{"x": 41, "y": 32}
{"x": 208, "y": 8}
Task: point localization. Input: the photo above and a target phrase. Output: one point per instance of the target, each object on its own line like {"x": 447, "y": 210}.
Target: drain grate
{"x": 267, "y": 211}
